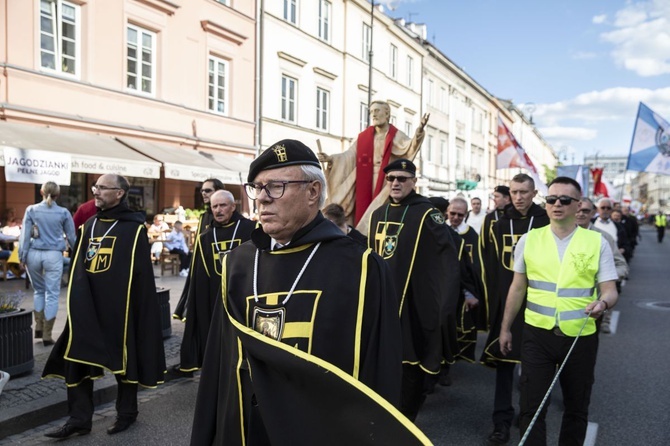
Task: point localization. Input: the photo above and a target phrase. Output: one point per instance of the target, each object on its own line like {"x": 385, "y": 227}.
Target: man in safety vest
{"x": 661, "y": 222}
{"x": 558, "y": 266}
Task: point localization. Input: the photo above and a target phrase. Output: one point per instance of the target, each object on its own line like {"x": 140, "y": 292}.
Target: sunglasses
{"x": 605, "y": 208}
{"x": 206, "y": 191}
{"x": 401, "y": 179}
{"x": 584, "y": 211}
{"x": 456, "y": 214}
{"x": 564, "y": 199}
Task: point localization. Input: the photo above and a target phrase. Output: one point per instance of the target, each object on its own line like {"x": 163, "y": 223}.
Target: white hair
{"x": 313, "y": 173}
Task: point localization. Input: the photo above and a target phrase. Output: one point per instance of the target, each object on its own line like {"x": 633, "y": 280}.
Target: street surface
{"x": 629, "y": 404}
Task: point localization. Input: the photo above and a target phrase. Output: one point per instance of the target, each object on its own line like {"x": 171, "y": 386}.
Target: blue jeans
{"x": 45, "y": 269}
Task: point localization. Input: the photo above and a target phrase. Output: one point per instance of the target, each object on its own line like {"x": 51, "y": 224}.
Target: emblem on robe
{"x": 219, "y": 251}
{"x": 509, "y": 244}
{"x": 386, "y": 238}
{"x": 269, "y": 322}
{"x": 437, "y": 217}
{"x": 99, "y": 253}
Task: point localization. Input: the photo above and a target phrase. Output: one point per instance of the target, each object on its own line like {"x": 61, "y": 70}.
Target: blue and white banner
{"x": 650, "y": 147}
{"x": 579, "y": 173}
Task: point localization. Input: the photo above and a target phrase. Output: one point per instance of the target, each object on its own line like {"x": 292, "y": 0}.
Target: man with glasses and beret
{"x": 209, "y": 186}
{"x": 516, "y": 219}
{"x": 564, "y": 279}
{"x": 113, "y": 313}
{"x": 292, "y": 329}
{"x": 410, "y": 234}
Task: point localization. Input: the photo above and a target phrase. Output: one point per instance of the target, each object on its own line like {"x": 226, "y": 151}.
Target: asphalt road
{"x": 629, "y": 404}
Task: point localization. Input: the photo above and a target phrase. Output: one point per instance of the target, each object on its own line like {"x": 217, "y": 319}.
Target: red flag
{"x": 599, "y": 187}
{"x": 511, "y": 154}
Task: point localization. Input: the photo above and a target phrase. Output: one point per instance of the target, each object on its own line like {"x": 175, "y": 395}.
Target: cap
{"x": 502, "y": 190}
{"x": 401, "y": 164}
{"x": 287, "y": 152}
{"x": 440, "y": 203}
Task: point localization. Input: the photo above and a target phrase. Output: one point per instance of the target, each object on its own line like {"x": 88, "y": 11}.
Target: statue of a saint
{"x": 354, "y": 180}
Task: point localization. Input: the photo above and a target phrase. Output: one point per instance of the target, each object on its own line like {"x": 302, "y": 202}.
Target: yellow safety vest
{"x": 661, "y": 221}
{"x": 559, "y": 291}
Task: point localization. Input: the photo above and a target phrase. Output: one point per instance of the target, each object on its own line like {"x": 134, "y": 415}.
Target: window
{"x": 324, "y": 20}
{"x": 410, "y": 68}
{"x": 443, "y": 151}
{"x": 364, "y": 113}
{"x": 477, "y": 121}
{"x": 393, "y": 119}
{"x": 367, "y": 41}
{"x": 429, "y": 155}
{"x": 431, "y": 98}
{"x": 59, "y": 36}
{"x": 393, "y": 62}
{"x": 217, "y": 85}
{"x": 224, "y": 2}
{"x": 408, "y": 128}
{"x": 141, "y": 59}
{"x": 443, "y": 100}
{"x": 289, "y": 92}
{"x": 322, "y": 104}
{"x": 290, "y": 8}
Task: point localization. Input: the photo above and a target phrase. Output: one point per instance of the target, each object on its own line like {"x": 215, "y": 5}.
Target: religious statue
{"x": 353, "y": 177}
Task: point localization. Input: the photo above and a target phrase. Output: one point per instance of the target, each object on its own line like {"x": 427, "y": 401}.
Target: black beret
{"x": 440, "y": 203}
{"x": 502, "y": 190}
{"x": 401, "y": 164}
{"x": 287, "y": 152}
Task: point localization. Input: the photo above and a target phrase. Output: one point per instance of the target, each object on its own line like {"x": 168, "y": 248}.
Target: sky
{"x": 581, "y": 66}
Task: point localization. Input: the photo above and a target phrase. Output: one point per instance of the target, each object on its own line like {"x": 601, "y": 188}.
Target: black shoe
{"x": 499, "y": 436}
{"x": 445, "y": 379}
{"x": 67, "y": 431}
{"x": 175, "y": 372}
{"x": 120, "y": 425}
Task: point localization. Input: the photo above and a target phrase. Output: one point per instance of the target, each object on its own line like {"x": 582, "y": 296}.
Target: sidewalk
{"x": 28, "y": 401}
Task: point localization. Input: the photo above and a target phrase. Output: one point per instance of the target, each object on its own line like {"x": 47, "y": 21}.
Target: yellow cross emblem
{"x": 280, "y": 151}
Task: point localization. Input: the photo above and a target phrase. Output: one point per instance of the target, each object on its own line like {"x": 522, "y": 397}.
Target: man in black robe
{"x": 471, "y": 307}
{"x": 227, "y": 231}
{"x": 304, "y": 346}
{"x": 113, "y": 313}
{"x": 410, "y": 234}
{"x": 209, "y": 186}
{"x": 518, "y": 218}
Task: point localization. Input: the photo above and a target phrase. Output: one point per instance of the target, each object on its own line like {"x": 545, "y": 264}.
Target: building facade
{"x": 160, "y": 91}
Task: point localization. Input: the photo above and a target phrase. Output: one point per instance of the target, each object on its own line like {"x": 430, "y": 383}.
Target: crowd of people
{"x": 268, "y": 305}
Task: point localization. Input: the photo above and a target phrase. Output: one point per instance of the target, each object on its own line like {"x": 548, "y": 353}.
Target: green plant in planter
{"x": 193, "y": 214}
{"x": 10, "y": 302}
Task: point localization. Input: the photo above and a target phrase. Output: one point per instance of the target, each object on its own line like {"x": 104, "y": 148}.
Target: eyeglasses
{"x": 605, "y": 208}
{"x": 101, "y": 188}
{"x": 564, "y": 199}
{"x": 401, "y": 179}
{"x": 584, "y": 211}
{"x": 456, "y": 214}
{"x": 206, "y": 191}
{"x": 273, "y": 189}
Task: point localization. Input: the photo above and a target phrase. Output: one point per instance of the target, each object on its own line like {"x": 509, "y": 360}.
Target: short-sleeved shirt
{"x": 606, "y": 268}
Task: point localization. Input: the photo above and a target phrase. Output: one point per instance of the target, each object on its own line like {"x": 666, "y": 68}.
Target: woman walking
{"x": 41, "y": 251}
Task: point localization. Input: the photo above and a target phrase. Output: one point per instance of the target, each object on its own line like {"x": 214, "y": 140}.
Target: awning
{"x": 90, "y": 153}
{"x": 188, "y": 165}
{"x": 238, "y": 165}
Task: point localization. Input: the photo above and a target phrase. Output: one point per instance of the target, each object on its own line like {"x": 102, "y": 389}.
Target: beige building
{"x": 161, "y": 91}
{"x": 315, "y": 71}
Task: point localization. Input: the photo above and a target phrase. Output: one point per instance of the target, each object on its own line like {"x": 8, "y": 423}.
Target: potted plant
{"x": 16, "y": 343}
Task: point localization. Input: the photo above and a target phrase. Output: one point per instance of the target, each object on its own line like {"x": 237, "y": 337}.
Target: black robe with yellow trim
{"x": 341, "y": 318}
{"x": 499, "y": 271}
{"x": 113, "y": 312}
{"x": 205, "y": 288}
{"x": 470, "y": 321}
{"x": 204, "y": 222}
{"x": 421, "y": 253}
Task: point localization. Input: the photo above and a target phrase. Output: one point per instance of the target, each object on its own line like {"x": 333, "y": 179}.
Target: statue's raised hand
{"x": 324, "y": 157}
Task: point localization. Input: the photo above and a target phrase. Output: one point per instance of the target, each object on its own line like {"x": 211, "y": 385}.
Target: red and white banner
{"x": 511, "y": 154}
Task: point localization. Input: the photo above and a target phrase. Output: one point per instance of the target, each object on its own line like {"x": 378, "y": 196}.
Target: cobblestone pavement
{"x": 28, "y": 393}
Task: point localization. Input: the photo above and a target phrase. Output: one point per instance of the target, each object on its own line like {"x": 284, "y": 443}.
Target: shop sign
{"x": 36, "y": 166}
